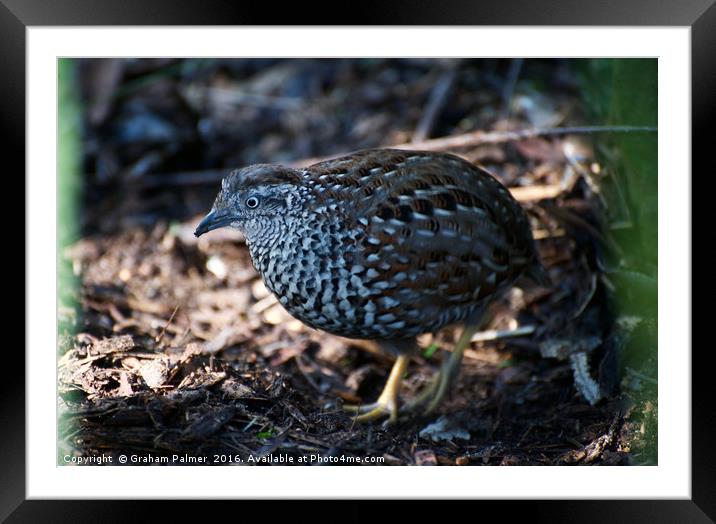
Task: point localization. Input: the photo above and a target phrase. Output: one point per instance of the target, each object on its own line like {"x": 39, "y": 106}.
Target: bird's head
{"x": 253, "y": 199}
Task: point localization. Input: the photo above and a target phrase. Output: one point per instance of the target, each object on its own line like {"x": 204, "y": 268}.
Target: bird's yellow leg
{"x": 387, "y": 403}
{"x": 434, "y": 393}
{"x": 448, "y": 374}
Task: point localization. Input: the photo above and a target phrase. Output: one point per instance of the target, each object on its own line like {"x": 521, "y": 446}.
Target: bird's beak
{"x": 213, "y": 220}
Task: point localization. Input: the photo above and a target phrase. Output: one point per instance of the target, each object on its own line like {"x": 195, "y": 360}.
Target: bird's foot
{"x": 375, "y": 411}
{"x": 431, "y": 396}
{"x": 387, "y": 403}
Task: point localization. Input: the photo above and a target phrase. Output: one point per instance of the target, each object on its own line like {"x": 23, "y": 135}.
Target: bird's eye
{"x": 252, "y": 202}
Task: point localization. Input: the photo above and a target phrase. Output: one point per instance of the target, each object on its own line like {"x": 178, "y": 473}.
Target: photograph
{"x": 355, "y": 261}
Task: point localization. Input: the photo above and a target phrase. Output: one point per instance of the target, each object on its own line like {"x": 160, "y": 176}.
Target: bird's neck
{"x": 263, "y": 237}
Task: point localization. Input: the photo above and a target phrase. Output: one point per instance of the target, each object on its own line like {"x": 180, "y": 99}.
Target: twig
{"x": 509, "y": 88}
{"x": 477, "y": 138}
{"x": 541, "y": 234}
{"x": 531, "y": 193}
{"x": 438, "y": 97}
{"x": 251, "y": 423}
{"x": 490, "y": 335}
{"x": 164, "y": 329}
{"x": 497, "y": 334}
{"x": 472, "y": 139}
{"x": 236, "y": 97}
{"x": 264, "y": 304}
{"x": 590, "y": 294}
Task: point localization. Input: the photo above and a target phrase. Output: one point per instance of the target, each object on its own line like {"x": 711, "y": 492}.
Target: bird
{"x": 384, "y": 245}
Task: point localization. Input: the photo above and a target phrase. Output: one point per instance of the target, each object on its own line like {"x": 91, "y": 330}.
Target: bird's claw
{"x": 374, "y": 411}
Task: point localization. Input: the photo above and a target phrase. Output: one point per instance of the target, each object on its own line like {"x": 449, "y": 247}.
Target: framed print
{"x": 456, "y": 238}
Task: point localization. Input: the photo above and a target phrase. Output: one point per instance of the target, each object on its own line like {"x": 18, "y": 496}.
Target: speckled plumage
{"x": 380, "y": 244}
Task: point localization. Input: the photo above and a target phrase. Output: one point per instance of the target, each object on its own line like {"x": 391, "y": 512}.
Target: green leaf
{"x": 267, "y": 434}
{"x": 430, "y": 350}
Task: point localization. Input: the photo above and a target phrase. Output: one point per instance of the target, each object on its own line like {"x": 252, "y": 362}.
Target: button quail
{"x": 385, "y": 245}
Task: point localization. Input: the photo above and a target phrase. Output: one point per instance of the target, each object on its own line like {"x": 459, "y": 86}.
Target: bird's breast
{"x": 311, "y": 269}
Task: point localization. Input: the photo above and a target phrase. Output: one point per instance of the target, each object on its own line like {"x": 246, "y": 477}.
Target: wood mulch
{"x": 172, "y": 347}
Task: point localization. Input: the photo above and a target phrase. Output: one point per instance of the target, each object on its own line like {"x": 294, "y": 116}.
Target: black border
{"x": 16, "y": 15}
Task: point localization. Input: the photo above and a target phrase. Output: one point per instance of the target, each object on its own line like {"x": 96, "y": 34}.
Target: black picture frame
{"x": 17, "y": 15}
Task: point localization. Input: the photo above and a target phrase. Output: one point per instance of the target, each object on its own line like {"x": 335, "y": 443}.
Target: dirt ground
{"x": 170, "y": 345}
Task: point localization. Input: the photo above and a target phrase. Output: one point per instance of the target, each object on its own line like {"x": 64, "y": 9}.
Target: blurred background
{"x": 144, "y": 144}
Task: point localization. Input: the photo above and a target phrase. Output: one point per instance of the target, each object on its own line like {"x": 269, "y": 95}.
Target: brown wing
{"x": 436, "y": 224}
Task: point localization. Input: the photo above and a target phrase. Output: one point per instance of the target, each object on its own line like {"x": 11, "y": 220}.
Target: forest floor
{"x": 171, "y": 345}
